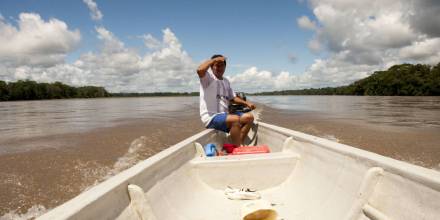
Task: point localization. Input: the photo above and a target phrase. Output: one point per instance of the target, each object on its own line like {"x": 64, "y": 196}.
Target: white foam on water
{"x": 91, "y": 171}
{"x": 126, "y": 161}
{"x": 31, "y": 213}
{"x": 257, "y": 112}
{"x": 131, "y": 157}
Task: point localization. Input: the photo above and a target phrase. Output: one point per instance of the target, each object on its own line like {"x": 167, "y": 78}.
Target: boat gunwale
{"x": 425, "y": 176}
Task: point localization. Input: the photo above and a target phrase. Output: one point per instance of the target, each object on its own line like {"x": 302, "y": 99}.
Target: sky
{"x": 156, "y": 46}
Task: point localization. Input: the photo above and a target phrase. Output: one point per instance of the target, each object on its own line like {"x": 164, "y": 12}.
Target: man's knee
{"x": 236, "y": 124}
{"x": 233, "y": 120}
{"x": 247, "y": 118}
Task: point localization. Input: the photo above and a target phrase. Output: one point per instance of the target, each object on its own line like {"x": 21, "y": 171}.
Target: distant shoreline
{"x": 398, "y": 80}
{"x": 154, "y": 94}
{"x": 159, "y": 96}
{"x": 195, "y": 95}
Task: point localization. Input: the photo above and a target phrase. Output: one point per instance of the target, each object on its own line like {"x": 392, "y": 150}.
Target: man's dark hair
{"x": 217, "y": 55}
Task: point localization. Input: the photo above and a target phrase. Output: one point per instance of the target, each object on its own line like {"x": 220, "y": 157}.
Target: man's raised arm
{"x": 201, "y": 71}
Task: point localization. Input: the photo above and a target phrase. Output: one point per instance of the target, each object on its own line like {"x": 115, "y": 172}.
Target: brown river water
{"x": 52, "y": 150}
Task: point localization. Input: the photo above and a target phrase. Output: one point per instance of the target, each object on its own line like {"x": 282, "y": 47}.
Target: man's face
{"x": 219, "y": 68}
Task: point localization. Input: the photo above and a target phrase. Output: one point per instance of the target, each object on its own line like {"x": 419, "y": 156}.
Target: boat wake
{"x": 136, "y": 152}
{"x": 132, "y": 156}
{"x": 257, "y": 113}
{"x": 31, "y": 213}
{"x": 92, "y": 173}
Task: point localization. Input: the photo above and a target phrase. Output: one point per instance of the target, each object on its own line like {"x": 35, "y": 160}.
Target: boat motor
{"x": 233, "y": 107}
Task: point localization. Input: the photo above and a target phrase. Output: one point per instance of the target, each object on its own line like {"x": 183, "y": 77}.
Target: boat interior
{"x": 303, "y": 177}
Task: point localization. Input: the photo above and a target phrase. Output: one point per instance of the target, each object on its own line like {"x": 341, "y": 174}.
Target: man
{"x": 215, "y": 96}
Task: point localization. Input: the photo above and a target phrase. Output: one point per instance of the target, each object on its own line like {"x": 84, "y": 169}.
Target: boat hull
{"x": 304, "y": 177}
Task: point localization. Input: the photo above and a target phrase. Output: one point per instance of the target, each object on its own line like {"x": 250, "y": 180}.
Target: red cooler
{"x": 251, "y": 150}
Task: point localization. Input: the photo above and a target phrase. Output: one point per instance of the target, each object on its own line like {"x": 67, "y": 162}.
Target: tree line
{"x": 31, "y": 90}
{"x": 149, "y": 94}
{"x": 398, "y": 80}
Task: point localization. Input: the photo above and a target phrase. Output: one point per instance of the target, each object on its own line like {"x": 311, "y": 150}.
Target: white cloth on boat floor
{"x": 241, "y": 194}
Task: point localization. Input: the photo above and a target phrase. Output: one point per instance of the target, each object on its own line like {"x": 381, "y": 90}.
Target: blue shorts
{"x": 219, "y": 121}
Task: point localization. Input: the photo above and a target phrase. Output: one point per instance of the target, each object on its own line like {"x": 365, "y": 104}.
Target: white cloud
{"x": 306, "y": 23}
{"x": 151, "y": 42}
{"x": 314, "y": 45}
{"x": 119, "y": 68}
{"x": 337, "y": 73}
{"x": 362, "y": 25}
{"x": 110, "y": 43}
{"x": 356, "y": 37}
{"x": 35, "y": 41}
{"x": 360, "y": 37}
{"x": 95, "y": 13}
{"x": 253, "y": 79}
{"x": 425, "y": 50}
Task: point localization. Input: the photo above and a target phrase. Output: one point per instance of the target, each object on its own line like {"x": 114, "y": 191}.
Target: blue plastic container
{"x": 210, "y": 150}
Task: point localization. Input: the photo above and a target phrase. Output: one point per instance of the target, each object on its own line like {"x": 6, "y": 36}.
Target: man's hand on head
{"x": 201, "y": 70}
{"x": 218, "y": 59}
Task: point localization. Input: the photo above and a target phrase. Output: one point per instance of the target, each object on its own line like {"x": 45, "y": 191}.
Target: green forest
{"x": 31, "y": 90}
{"x": 398, "y": 80}
{"x": 155, "y": 94}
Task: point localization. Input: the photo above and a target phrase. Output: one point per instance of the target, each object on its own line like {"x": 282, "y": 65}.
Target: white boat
{"x": 304, "y": 177}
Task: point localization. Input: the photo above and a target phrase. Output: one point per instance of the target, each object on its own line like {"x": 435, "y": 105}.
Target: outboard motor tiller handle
{"x": 233, "y": 108}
